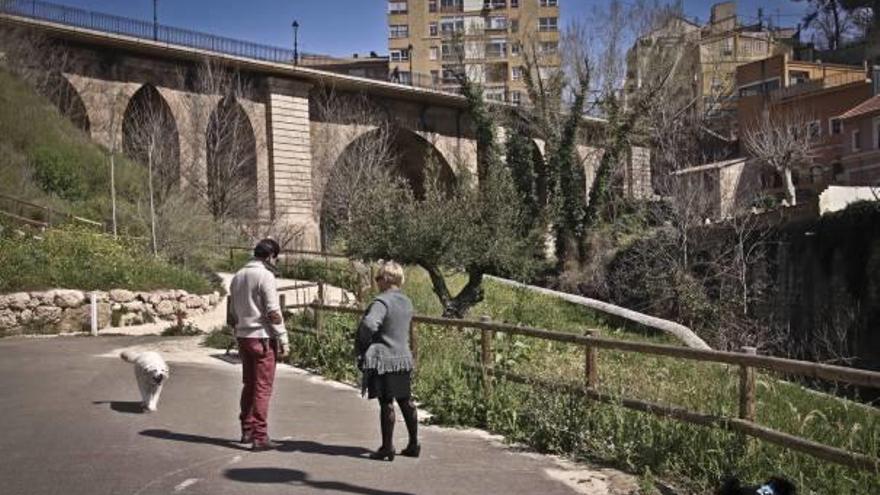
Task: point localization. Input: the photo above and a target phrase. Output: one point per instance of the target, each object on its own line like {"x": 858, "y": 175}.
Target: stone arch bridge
{"x": 115, "y": 74}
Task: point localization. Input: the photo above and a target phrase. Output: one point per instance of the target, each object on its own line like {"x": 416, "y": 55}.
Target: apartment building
{"x": 860, "y": 125}
{"x": 428, "y": 40}
{"x": 817, "y": 92}
{"x": 708, "y": 56}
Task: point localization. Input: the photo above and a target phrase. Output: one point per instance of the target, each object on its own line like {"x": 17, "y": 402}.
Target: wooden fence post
{"x": 231, "y": 258}
{"x": 229, "y": 311}
{"x": 591, "y": 363}
{"x": 319, "y": 319}
{"x": 747, "y": 388}
{"x": 282, "y": 301}
{"x": 487, "y": 359}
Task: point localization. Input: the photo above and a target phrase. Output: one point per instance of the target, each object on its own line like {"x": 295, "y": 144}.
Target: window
{"x": 547, "y": 24}
{"x": 494, "y": 94}
{"x": 835, "y": 126}
{"x": 514, "y": 4}
{"x": 515, "y": 97}
{"x": 450, "y": 25}
{"x": 514, "y": 49}
{"x": 452, "y": 74}
{"x": 435, "y": 77}
{"x": 514, "y": 25}
{"x": 397, "y": 7}
{"x": 877, "y": 134}
{"x": 516, "y": 73}
{"x": 399, "y": 31}
{"x": 494, "y": 4}
{"x": 451, "y": 5}
{"x": 549, "y": 3}
{"x": 432, "y": 29}
{"x": 450, "y": 51}
{"x": 399, "y": 55}
{"x": 432, "y": 5}
{"x": 727, "y": 47}
{"x": 857, "y": 140}
{"x": 405, "y": 77}
{"x": 796, "y": 77}
{"x": 434, "y": 54}
{"x": 497, "y": 22}
{"x": 549, "y": 47}
{"x": 496, "y": 48}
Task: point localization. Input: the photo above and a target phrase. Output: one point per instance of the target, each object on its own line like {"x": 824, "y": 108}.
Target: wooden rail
{"x": 49, "y": 212}
{"x": 748, "y": 361}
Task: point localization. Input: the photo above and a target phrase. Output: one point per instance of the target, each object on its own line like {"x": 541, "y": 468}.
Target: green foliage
{"x": 79, "y": 259}
{"x": 56, "y": 173}
{"x": 221, "y": 337}
{"x": 187, "y": 329}
{"x": 448, "y": 384}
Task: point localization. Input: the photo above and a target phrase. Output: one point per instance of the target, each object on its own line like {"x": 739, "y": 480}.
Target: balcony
{"x": 494, "y": 4}
{"x": 814, "y": 85}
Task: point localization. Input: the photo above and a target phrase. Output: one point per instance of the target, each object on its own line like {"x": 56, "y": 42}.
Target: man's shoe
{"x": 412, "y": 450}
{"x": 264, "y": 446}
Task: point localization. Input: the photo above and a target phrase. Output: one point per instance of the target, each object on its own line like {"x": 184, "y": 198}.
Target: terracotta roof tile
{"x": 868, "y": 106}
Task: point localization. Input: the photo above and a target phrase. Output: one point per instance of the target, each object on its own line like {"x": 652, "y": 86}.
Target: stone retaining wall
{"x": 64, "y": 310}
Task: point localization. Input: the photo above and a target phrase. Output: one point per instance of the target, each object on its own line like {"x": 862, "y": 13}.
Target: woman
{"x": 386, "y": 361}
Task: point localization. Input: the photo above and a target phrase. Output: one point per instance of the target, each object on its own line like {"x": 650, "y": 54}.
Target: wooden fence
{"x": 21, "y": 210}
{"x": 747, "y": 361}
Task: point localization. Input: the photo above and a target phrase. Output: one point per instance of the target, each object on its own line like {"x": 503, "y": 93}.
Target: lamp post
{"x": 155, "y": 20}
{"x": 295, "y": 43}
{"x": 409, "y": 51}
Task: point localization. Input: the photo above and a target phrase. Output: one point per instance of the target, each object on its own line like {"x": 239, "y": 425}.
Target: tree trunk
{"x": 469, "y": 296}
{"x": 790, "y": 195}
{"x": 152, "y": 202}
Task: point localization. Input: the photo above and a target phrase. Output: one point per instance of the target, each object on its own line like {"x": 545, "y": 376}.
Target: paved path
{"x": 70, "y": 427}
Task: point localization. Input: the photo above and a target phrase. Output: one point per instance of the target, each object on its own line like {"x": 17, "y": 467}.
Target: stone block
{"x": 17, "y": 301}
{"x": 74, "y": 319}
{"x": 133, "y": 306}
{"x": 121, "y": 295}
{"x": 193, "y": 301}
{"x": 8, "y": 319}
{"x": 47, "y": 314}
{"x": 166, "y": 308}
{"x": 69, "y": 298}
{"x": 25, "y": 316}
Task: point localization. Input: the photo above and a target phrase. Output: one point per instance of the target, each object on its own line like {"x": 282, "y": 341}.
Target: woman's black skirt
{"x": 389, "y": 385}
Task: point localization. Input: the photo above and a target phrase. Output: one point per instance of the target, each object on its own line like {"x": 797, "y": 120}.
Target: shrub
{"x": 75, "y": 258}
{"x": 221, "y": 337}
{"x": 57, "y": 173}
{"x": 186, "y": 329}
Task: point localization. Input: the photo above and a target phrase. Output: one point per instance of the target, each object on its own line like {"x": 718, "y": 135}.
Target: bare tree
{"x": 226, "y": 176}
{"x": 783, "y": 142}
{"x": 352, "y": 150}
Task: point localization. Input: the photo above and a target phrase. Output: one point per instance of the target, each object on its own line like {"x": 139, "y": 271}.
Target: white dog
{"x": 151, "y": 373}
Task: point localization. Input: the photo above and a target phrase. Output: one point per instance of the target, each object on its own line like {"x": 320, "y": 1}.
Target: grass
{"x": 692, "y": 457}
{"x": 74, "y": 258}
{"x": 46, "y": 159}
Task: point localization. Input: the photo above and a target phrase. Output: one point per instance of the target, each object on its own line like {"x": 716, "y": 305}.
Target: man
{"x": 255, "y": 314}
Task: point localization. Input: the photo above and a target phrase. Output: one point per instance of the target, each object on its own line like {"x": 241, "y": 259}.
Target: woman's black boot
{"x": 381, "y": 454}
{"x": 412, "y": 450}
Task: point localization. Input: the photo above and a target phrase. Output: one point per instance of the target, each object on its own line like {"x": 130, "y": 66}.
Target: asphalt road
{"x": 71, "y": 426}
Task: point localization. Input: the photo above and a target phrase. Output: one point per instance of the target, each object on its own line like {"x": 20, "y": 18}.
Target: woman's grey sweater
{"x": 383, "y": 334}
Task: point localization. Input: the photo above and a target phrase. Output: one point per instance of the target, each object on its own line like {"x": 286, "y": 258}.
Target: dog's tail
{"x": 129, "y": 356}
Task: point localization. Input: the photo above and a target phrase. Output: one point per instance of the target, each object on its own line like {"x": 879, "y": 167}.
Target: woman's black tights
{"x": 387, "y": 418}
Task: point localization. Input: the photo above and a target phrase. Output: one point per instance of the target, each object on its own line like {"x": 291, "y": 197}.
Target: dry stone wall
{"x": 64, "y": 310}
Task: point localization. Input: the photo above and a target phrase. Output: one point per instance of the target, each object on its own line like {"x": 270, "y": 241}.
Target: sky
{"x": 343, "y": 27}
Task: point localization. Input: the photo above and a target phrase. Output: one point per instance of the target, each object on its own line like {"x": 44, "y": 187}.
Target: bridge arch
{"x": 231, "y": 153}
{"x": 67, "y": 99}
{"x": 150, "y": 136}
{"x": 409, "y": 156}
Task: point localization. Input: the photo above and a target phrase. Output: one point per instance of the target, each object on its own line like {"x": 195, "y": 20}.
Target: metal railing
{"x": 107, "y": 23}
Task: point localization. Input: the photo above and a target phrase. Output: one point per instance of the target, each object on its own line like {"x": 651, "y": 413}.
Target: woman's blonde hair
{"x": 391, "y": 272}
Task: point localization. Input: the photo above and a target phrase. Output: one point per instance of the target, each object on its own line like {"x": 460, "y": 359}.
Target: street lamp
{"x": 155, "y": 20}
{"x": 295, "y": 43}
{"x": 411, "y": 75}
